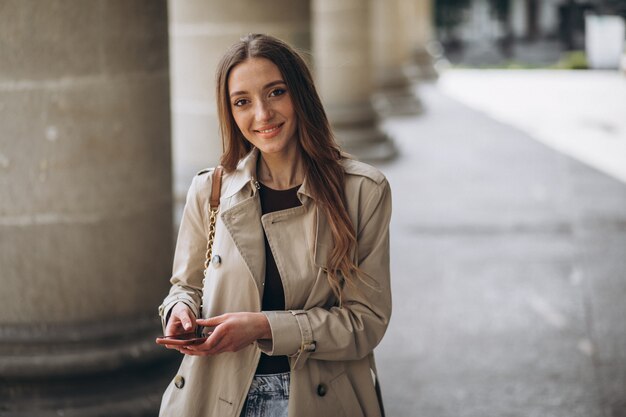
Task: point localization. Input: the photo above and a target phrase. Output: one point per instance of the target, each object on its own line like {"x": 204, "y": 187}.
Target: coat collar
{"x": 241, "y": 215}
{"x": 245, "y": 174}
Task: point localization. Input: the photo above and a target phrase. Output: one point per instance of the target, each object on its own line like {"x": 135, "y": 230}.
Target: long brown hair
{"x": 321, "y": 154}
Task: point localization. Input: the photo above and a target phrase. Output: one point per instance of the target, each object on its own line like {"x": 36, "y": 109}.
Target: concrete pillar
{"x": 342, "y": 56}
{"x": 85, "y": 206}
{"x": 201, "y": 31}
{"x": 390, "y": 46}
{"x": 424, "y": 50}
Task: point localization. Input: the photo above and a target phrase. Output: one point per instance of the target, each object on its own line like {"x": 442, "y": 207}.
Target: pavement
{"x": 508, "y": 264}
{"x": 579, "y": 113}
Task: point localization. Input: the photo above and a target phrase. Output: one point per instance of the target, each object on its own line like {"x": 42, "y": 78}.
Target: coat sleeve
{"x": 352, "y": 330}
{"x": 188, "y": 266}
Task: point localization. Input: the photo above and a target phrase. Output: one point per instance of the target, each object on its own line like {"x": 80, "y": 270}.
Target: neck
{"x": 281, "y": 171}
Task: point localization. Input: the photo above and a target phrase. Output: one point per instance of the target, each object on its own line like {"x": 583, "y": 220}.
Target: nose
{"x": 263, "y": 111}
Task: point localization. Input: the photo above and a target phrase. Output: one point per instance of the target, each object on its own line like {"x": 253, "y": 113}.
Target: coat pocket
{"x": 343, "y": 390}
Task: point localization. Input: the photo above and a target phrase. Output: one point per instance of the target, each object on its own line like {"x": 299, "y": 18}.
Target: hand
{"x": 181, "y": 320}
{"x": 233, "y": 332}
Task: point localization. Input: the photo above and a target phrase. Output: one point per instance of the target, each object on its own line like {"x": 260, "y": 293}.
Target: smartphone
{"x": 183, "y": 339}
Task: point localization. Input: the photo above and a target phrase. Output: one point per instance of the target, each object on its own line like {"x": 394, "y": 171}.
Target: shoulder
{"x": 203, "y": 181}
{"x": 363, "y": 176}
{"x": 200, "y": 187}
{"x": 203, "y": 177}
{"x": 357, "y": 169}
{"x": 205, "y": 171}
{"x": 365, "y": 185}
{"x": 368, "y": 196}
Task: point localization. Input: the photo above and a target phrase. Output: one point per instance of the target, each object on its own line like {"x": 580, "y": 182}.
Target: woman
{"x": 297, "y": 291}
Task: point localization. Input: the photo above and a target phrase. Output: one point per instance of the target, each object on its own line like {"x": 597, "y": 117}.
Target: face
{"x": 261, "y": 106}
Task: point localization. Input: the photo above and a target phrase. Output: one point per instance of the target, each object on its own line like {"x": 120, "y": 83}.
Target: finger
{"x": 175, "y": 326}
{"x": 159, "y": 341}
{"x": 173, "y": 347}
{"x": 211, "y": 345}
{"x": 187, "y": 351}
{"x": 211, "y": 321}
{"x": 217, "y": 347}
{"x": 173, "y": 331}
{"x": 186, "y": 320}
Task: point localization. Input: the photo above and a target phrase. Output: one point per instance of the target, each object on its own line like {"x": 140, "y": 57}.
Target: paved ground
{"x": 509, "y": 273}
{"x": 579, "y": 113}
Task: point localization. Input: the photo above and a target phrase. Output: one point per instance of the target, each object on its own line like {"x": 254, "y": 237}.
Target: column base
{"x": 397, "y": 102}
{"x": 422, "y": 65}
{"x": 356, "y": 129}
{"x": 135, "y": 392}
{"x": 70, "y": 350}
{"x": 394, "y": 96}
{"x": 107, "y": 368}
{"x": 378, "y": 146}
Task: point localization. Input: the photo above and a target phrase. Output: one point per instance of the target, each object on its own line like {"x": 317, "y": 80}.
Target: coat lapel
{"x": 243, "y": 222}
{"x": 242, "y": 217}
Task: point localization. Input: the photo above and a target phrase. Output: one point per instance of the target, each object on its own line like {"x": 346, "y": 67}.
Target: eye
{"x": 278, "y": 92}
{"x": 240, "y": 102}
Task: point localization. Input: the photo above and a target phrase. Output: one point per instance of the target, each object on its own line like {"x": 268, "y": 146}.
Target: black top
{"x": 273, "y": 293}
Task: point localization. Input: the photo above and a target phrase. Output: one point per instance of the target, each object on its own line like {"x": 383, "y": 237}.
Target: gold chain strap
{"x": 209, "y": 243}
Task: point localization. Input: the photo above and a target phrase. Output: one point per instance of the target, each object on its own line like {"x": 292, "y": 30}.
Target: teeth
{"x": 269, "y": 130}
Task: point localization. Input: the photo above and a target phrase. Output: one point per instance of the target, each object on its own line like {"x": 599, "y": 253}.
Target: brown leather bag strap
{"x": 214, "y": 206}
{"x": 216, "y": 188}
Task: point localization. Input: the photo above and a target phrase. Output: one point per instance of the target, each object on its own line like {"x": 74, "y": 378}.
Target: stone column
{"x": 201, "y": 31}
{"x": 390, "y": 43}
{"x": 342, "y": 56}
{"x": 424, "y": 50}
{"x": 85, "y": 206}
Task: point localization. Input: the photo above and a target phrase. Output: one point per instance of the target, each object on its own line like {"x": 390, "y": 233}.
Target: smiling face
{"x": 262, "y": 108}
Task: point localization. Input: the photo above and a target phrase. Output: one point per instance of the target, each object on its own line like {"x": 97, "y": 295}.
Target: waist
{"x": 272, "y": 365}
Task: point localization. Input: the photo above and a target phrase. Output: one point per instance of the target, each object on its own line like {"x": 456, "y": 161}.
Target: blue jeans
{"x": 268, "y": 396}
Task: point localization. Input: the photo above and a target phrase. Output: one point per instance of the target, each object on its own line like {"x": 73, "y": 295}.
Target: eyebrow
{"x": 265, "y": 87}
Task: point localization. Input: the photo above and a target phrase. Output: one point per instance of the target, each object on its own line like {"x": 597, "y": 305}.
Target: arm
{"x": 352, "y": 330}
{"x": 187, "y": 271}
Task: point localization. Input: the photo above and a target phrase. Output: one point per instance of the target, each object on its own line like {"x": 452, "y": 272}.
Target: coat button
{"x": 179, "y": 381}
{"x": 216, "y": 260}
{"x": 321, "y": 390}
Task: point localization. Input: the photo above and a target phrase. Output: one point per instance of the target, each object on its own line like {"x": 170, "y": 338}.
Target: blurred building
{"x": 489, "y": 32}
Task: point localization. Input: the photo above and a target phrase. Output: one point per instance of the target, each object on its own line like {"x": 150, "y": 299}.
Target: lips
{"x": 269, "y": 131}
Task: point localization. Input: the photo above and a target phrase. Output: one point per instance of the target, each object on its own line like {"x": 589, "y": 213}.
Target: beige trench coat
{"x": 329, "y": 347}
